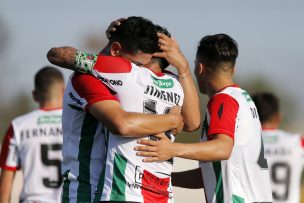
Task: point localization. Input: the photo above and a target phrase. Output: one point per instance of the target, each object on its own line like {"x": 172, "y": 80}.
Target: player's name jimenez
{"x": 41, "y": 131}
{"x": 171, "y": 97}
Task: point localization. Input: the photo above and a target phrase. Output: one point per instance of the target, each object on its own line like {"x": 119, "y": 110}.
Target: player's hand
{"x": 172, "y": 53}
{"x": 112, "y": 27}
{"x": 160, "y": 150}
{"x": 176, "y": 110}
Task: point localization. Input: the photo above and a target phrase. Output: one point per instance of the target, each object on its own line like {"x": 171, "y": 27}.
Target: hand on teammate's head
{"x": 112, "y": 27}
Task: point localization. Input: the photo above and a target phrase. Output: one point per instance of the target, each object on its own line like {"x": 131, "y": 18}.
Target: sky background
{"x": 269, "y": 33}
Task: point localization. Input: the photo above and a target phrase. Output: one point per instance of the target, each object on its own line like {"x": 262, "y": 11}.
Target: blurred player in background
{"x": 232, "y": 159}
{"x": 284, "y": 151}
{"x": 33, "y": 144}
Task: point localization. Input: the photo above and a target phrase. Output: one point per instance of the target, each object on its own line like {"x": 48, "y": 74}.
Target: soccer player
{"x": 126, "y": 178}
{"x": 33, "y": 144}
{"x": 284, "y": 151}
{"x": 133, "y": 42}
{"x": 231, "y": 153}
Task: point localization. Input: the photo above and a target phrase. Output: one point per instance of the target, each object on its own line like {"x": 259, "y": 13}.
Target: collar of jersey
{"x": 160, "y": 74}
{"x": 234, "y": 85}
{"x": 50, "y": 109}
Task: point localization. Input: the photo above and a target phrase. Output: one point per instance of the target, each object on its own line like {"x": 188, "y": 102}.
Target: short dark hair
{"x": 267, "y": 105}
{"x": 136, "y": 33}
{"x": 162, "y": 62}
{"x": 44, "y": 80}
{"x": 214, "y": 50}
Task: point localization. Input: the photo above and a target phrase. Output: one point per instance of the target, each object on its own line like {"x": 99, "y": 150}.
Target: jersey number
{"x": 45, "y": 148}
{"x": 262, "y": 162}
{"x": 280, "y": 175}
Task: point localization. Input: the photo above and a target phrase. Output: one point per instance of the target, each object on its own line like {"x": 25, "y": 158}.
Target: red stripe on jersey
{"x": 5, "y": 148}
{"x": 91, "y": 89}
{"x": 302, "y": 141}
{"x": 154, "y": 189}
{"x": 9, "y": 168}
{"x": 112, "y": 64}
{"x": 223, "y": 111}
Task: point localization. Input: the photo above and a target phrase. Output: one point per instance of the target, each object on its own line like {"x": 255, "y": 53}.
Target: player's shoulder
{"x": 113, "y": 64}
{"x": 26, "y": 117}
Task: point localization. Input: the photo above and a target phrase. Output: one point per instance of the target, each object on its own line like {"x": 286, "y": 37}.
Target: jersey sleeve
{"x": 9, "y": 158}
{"x": 91, "y": 89}
{"x": 223, "y": 110}
{"x": 112, "y": 71}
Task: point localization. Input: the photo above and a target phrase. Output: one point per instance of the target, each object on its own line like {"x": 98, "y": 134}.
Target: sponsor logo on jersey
{"x": 163, "y": 83}
{"x": 171, "y": 97}
{"x": 150, "y": 183}
{"x": 78, "y": 101}
{"x": 112, "y": 82}
{"x": 270, "y": 139}
{"x": 246, "y": 95}
{"x": 49, "y": 119}
{"x": 40, "y": 132}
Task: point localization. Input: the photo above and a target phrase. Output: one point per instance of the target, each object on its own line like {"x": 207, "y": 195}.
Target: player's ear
{"x": 115, "y": 49}
{"x": 201, "y": 68}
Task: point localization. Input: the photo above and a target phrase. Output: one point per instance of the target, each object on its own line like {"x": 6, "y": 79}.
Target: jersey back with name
{"x": 244, "y": 176}
{"x": 285, "y": 154}
{"x": 126, "y": 177}
{"x": 33, "y": 143}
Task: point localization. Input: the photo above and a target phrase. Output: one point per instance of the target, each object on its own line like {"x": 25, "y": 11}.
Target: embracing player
{"x": 231, "y": 151}
{"x": 33, "y": 144}
{"x": 125, "y": 178}
{"x": 283, "y": 150}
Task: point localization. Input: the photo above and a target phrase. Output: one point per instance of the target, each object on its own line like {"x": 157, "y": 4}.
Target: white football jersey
{"x": 125, "y": 176}
{"x": 83, "y": 138}
{"x": 33, "y": 143}
{"x": 285, "y": 155}
{"x": 244, "y": 177}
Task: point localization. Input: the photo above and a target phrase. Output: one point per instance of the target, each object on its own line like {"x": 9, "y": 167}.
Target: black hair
{"x": 44, "y": 80}
{"x": 267, "y": 105}
{"x": 213, "y": 50}
{"x": 162, "y": 62}
{"x": 136, "y": 33}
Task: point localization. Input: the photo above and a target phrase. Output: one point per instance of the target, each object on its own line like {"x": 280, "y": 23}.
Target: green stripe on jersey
{"x": 105, "y": 133}
{"x": 219, "y": 192}
{"x": 119, "y": 181}
{"x": 66, "y": 188}
{"x": 88, "y": 131}
{"x": 237, "y": 199}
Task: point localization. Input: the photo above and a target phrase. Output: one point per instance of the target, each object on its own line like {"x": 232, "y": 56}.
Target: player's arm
{"x": 219, "y": 148}
{"x": 223, "y": 110}
{"x": 8, "y": 164}
{"x": 105, "y": 108}
{"x": 172, "y": 53}
{"x": 6, "y": 182}
{"x": 191, "y": 179}
{"x": 65, "y": 57}
{"x": 133, "y": 124}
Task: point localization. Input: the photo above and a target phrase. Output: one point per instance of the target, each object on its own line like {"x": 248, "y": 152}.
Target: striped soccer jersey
{"x": 285, "y": 155}
{"x": 83, "y": 138}
{"x": 243, "y": 178}
{"x": 125, "y": 176}
{"x": 33, "y": 143}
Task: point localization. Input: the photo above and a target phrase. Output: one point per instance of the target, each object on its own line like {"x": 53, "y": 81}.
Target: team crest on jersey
{"x": 163, "y": 83}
